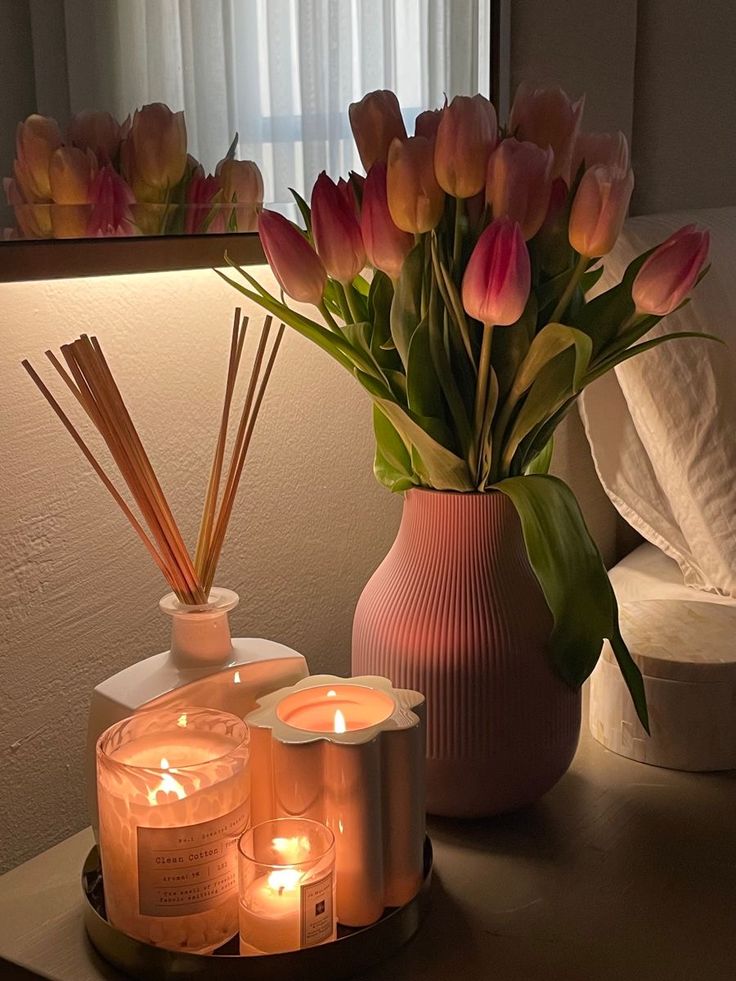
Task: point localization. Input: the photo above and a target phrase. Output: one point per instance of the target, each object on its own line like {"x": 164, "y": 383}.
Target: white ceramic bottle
{"x": 204, "y": 667}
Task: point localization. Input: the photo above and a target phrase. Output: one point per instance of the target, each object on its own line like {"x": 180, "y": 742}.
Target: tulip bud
{"x": 205, "y": 211}
{"x": 427, "y": 122}
{"x": 242, "y": 184}
{"x": 70, "y": 174}
{"x": 415, "y": 199}
{"x": 607, "y": 149}
{"x": 336, "y": 231}
{"x": 96, "y": 131}
{"x": 598, "y": 211}
{"x": 347, "y": 193}
{"x": 375, "y": 121}
{"x": 386, "y": 245}
{"x": 519, "y": 183}
{"x": 497, "y": 279}
{"x": 241, "y": 181}
{"x": 466, "y": 135}
{"x": 155, "y": 152}
{"x": 548, "y": 117}
{"x": 111, "y": 200}
{"x": 294, "y": 263}
{"x": 670, "y": 272}
{"x": 36, "y": 140}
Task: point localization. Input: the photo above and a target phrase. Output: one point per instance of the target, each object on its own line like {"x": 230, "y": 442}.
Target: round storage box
{"x": 686, "y": 652}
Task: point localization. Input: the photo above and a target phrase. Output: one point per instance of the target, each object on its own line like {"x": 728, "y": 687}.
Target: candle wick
{"x": 281, "y": 890}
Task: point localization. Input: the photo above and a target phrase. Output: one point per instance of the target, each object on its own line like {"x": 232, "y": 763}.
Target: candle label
{"x": 190, "y": 869}
{"x": 317, "y": 920}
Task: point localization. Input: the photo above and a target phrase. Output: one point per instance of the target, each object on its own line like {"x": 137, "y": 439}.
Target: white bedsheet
{"x": 648, "y": 574}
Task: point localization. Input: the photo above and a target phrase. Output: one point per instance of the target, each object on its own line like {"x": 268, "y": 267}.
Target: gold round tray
{"x": 354, "y": 951}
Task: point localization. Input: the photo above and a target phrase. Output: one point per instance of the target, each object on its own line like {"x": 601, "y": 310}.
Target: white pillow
{"x": 662, "y": 428}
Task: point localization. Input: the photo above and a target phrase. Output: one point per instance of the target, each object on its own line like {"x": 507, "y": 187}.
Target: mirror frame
{"x": 38, "y": 259}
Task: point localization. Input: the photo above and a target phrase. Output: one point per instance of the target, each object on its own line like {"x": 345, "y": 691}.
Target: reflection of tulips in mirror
{"x": 106, "y": 178}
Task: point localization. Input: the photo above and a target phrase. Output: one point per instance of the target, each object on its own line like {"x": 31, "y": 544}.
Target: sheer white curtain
{"x": 280, "y": 73}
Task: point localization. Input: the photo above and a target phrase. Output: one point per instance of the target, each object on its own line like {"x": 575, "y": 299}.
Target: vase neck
{"x": 468, "y": 523}
{"x": 200, "y": 635}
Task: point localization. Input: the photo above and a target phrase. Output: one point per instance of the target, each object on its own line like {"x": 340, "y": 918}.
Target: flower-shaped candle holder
{"x": 348, "y": 753}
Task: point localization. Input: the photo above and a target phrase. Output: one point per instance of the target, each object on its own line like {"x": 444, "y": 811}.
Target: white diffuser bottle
{"x": 205, "y": 666}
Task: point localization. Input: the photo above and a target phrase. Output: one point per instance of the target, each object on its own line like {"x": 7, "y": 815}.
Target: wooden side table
{"x": 622, "y": 871}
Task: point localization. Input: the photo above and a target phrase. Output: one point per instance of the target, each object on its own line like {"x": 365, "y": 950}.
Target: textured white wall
{"x": 79, "y": 593}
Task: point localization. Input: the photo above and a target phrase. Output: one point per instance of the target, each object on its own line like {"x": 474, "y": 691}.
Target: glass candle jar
{"x": 287, "y": 886}
{"x": 173, "y": 789}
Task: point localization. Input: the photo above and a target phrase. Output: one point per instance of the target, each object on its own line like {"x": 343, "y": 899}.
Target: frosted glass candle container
{"x": 348, "y": 753}
{"x": 287, "y": 886}
{"x": 173, "y": 790}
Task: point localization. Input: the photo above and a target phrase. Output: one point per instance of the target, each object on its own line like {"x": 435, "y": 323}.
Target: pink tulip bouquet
{"x": 134, "y": 178}
{"x": 452, "y": 282}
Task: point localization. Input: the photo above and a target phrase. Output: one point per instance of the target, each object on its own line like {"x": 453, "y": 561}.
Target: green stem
{"x": 329, "y": 318}
{"x": 499, "y": 431}
{"x": 457, "y": 242}
{"x": 572, "y": 284}
{"x": 355, "y": 312}
{"x": 481, "y": 390}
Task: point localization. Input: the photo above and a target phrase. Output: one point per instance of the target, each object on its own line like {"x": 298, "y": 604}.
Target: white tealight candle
{"x": 287, "y": 886}
{"x": 174, "y": 796}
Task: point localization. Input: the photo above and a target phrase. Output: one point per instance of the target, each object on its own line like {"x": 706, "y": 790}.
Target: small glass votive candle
{"x": 173, "y": 789}
{"x": 287, "y": 886}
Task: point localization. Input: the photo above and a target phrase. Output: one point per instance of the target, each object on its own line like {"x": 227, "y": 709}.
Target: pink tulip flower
{"x": 375, "y": 121}
{"x": 599, "y": 209}
{"x": 415, "y": 199}
{"x": 427, "y": 123}
{"x": 386, "y": 245}
{"x": 154, "y": 156}
{"x": 295, "y": 264}
{"x": 111, "y": 200}
{"x": 96, "y": 131}
{"x": 548, "y": 117}
{"x": 205, "y": 212}
{"x": 242, "y": 184}
{"x": 348, "y": 194}
{"x": 36, "y": 139}
{"x": 497, "y": 279}
{"x": 670, "y": 272}
{"x": 466, "y": 136}
{"x": 607, "y": 149}
{"x": 519, "y": 183}
{"x": 336, "y": 231}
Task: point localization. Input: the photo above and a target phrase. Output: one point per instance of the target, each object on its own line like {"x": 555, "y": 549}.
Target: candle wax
{"x": 270, "y": 913}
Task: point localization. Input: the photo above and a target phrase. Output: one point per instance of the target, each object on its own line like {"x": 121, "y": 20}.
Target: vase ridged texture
{"x": 454, "y": 611}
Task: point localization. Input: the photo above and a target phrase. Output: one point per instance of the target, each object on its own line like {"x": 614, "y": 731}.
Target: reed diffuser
{"x": 204, "y": 665}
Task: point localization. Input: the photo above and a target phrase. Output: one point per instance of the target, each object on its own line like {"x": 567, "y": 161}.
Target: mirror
{"x": 163, "y": 117}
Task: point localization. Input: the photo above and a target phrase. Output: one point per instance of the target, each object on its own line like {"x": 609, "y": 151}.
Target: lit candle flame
{"x": 339, "y": 721}
{"x": 281, "y": 879}
{"x": 181, "y": 721}
{"x": 236, "y": 678}
{"x": 168, "y": 785}
{"x": 331, "y": 693}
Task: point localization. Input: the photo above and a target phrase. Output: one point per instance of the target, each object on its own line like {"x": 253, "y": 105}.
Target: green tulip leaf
{"x": 552, "y": 340}
{"x": 406, "y": 306}
{"x": 569, "y": 568}
{"x": 444, "y": 469}
{"x": 605, "y": 366}
{"x": 552, "y": 387}
{"x": 304, "y": 210}
{"x": 541, "y": 461}
{"x": 392, "y": 464}
{"x": 424, "y": 395}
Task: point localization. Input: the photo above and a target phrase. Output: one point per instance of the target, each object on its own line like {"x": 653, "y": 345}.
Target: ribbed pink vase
{"x": 455, "y": 611}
